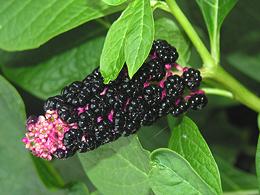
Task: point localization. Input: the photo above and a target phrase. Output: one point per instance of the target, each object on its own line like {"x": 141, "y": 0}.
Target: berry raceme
{"x": 88, "y": 113}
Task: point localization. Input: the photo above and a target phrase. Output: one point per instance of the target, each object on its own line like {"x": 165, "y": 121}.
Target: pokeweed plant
{"x": 141, "y": 73}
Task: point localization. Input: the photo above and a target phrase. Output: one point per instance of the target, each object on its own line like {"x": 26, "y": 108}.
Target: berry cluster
{"x": 89, "y": 113}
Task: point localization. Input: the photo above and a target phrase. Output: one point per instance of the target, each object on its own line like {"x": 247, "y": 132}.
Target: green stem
{"x": 160, "y": 4}
{"x": 245, "y": 192}
{"x": 240, "y": 92}
{"x": 220, "y": 92}
{"x": 103, "y": 22}
{"x": 192, "y": 34}
{"x": 211, "y": 70}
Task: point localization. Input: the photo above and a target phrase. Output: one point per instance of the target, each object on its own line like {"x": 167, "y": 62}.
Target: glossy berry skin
{"x": 165, "y": 52}
{"x": 152, "y": 95}
{"x": 192, "y": 78}
{"x": 180, "y": 108}
{"x": 89, "y": 144}
{"x": 156, "y": 70}
{"x": 174, "y": 86}
{"x": 72, "y": 139}
{"x": 164, "y": 107}
{"x": 53, "y": 103}
{"x": 198, "y": 101}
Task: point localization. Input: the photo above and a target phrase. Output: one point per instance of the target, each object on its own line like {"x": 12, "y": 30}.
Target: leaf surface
{"x": 172, "y": 174}
{"x": 28, "y": 24}
{"x": 187, "y": 141}
{"x": 120, "y": 167}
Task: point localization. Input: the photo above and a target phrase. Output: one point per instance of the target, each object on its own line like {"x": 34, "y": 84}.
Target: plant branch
{"x": 160, "y": 4}
{"x": 210, "y": 69}
{"x": 192, "y": 34}
{"x": 240, "y": 92}
{"x": 245, "y": 192}
{"x": 220, "y": 92}
{"x": 104, "y": 23}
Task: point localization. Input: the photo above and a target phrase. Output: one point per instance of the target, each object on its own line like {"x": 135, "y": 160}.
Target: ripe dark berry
{"x": 131, "y": 127}
{"x": 156, "y": 70}
{"x": 150, "y": 116}
{"x": 102, "y": 132}
{"x": 142, "y": 75}
{"x": 198, "y": 101}
{"x": 67, "y": 114}
{"x": 174, "y": 86}
{"x": 192, "y": 78}
{"x": 179, "y": 109}
{"x": 152, "y": 94}
{"x": 53, "y": 103}
{"x": 88, "y": 144}
{"x": 164, "y": 107}
{"x": 165, "y": 51}
{"x": 59, "y": 153}
{"x": 72, "y": 139}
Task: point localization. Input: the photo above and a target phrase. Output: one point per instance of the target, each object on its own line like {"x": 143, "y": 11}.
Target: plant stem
{"x": 192, "y": 34}
{"x": 220, "y": 92}
{"x": 245, "y": 192}
{"x": 103, "y": 22}
{"x": 240, "y": 92}
{"x": 160, "y": 4}
{"x": 211, "y": 70}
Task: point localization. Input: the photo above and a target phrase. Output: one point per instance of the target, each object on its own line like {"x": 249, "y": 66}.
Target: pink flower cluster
{"x": 45, "y": 134}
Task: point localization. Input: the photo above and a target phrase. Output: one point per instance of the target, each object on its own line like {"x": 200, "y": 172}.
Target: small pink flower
{"x": 45, "y": 134}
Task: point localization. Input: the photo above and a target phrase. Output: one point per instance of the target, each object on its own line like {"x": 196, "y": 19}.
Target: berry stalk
{"x": 89, "y": 113}
{"x": 239, "y": 92}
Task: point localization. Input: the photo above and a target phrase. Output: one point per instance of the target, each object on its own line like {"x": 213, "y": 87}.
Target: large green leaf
{"x": 50, "y": 74}
{"x": 249, "y": 65}
{"x": 28, "y": 24}
{"x": 154, "y": 136}
{"x": 112, "y": 58}
{"x": 120, "y": 167}
{"x": 172, "y": 174}
{"x": 140, "y": 36}
{"x": 17, "y": 172}
{"x": 257, "y": 158}
{"x": 114, "y": 2}
{"x": 188, "y": 142}
{"x": 235, "y": 180}
{"x": 214, "y": 13}
{"x": 48, "y": 173}
{"x": 168, "y": 30}
{"x": 78, "y": 189}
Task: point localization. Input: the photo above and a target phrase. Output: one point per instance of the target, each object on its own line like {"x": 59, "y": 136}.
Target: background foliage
{"x": 45, "y": 46}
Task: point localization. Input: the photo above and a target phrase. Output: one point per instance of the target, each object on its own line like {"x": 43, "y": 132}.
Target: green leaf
{"x": 214, "y": 13}
{"x": 120, "y": 167}
{"x": 112, "y": 58}
{"x": 48, "y": 174}
{"x": 78, "y": 188}
{"x": 258, "y": 121}
{"x": 249, "y": 65}
{"x": 258, "y": 154}
{"x": 28, "y": 24}
{"x": 48, "y": 76}
{"x": 172, "y": 174}
{"x": 235, "y": 180}
{"x": 140, "y": 36}
{"x": 17, "y": 175}
{"x": 188, "y": 142}
{"x": 154, "y": 136}
{"x": 168, "y": 30}
{"x": 114, "y": 2}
